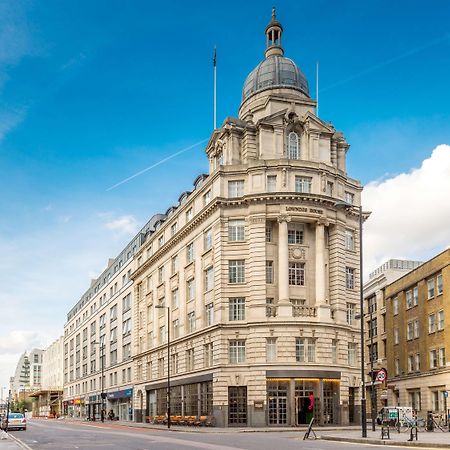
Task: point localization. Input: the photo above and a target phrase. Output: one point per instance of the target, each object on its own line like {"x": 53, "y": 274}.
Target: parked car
{"x": 16, "y": 421}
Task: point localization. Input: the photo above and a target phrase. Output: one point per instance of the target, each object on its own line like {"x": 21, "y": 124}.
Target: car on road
{"x": 16, "y": 421}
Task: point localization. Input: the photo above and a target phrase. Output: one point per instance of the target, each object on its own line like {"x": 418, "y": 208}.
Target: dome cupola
{"x": 275, "y": 71}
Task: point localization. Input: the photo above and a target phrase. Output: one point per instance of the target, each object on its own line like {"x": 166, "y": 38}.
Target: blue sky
{"x": 92, "y": 92}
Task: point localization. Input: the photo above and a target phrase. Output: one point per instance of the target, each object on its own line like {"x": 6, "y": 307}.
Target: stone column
{"x": 320, "y": 262}
{"x": 323, "y": 309}
{"x": 284, "y": 305}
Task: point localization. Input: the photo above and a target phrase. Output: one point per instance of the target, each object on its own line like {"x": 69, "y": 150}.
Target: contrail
{"x": 156, "y": 164}
{"x": 389, "y": 61}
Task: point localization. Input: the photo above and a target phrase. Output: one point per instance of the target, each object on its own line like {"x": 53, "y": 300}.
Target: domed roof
{"x": 273, "y": 72}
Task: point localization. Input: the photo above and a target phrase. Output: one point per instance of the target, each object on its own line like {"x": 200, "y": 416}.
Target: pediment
{"x": 315, "y": 123}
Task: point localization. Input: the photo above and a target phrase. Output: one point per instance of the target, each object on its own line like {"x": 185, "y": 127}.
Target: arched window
{"x": 293, "y": 150}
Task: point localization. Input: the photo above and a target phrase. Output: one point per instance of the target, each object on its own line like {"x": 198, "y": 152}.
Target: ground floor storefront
{"x": 282, "y": 398}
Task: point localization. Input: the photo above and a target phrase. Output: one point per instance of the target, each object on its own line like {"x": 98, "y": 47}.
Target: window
{"x": 410, "y": 331}
{"x": 440, "y": 285}
{"x": 441, "y": 357}
{"x": 373, "y": 328}
{"x": 161, "y": 241}
{"x": 208, "y": 355}
{"x": 269, "y": 272}
{"x": 415, "y": 296}
{"x": 190, "y": 253}
{"x": 305, "y": 349}
{"x": 126, "y": 351}
{"x": 409, "y": 299}
{"x": 395, "y": 305}
{"x": 329, "y": 188}
{"x": 236, "y": 230}
{"x": 190, "y": 359}
{"x": 349, "y": 197}
{"x": 190, "y": 288}
{"x": 220, "y": 159}
{"x": 303, "y": 184}
{"x": 113, "y": 335}
{"x": 293, "y": 148}
{"x": 209, "y": 314}
{"x": 174, "y": 264}
{"x": 162, "y": 334}
{"x": 189, "y": 214}
{"x": 208, "y": 239}
{"x": 349, "y": 240}
{"x": 113, "y": 357}
{"x": 440, "y": 324}
{"x": 236, "y": 308}
{"x": 295, "y": 234}
{"x": 296, "y": 274}
{"x": 433, "y": 359}
{"x": 236, "y": 271}
{"x": 236, "y": 351}
{"x": 161, "y": 367}
{"x": 415, "y": 400}
{"x": 350, "y": 313}
{"x": 126, "y": 303}
{"x": 175, "y": 298}
{"x": 432, "y": 323}
{"x": 209, "y": 278}
{"x": 351, "y": 354}
{"x": 416, "y": 328}
{"x": 269, "y": 233}
{"x": 430, "y": 287}
{"x": 334, "y": 351}
{"x": 372, "y": 304}
{"x": 271, "y": 183}
{"x": 126, "y": 327}
{"x": 349, "y": 278}
{"x": 396, "y": 336}
{"x": 417, "y": 362}
{"x": 175, "y": 328}
{"x": 191, "y": 322}
{"x": 236, "y": 188}
{"x": 173, "y": 229}
{"x": 113, "y": 313}
{"x": 174, "y": 362}
{"x": 271, "y": 349}
{"x": 102, "y": 322}
{"x": 206, "y": 198}
{"x": 161, "y": 274}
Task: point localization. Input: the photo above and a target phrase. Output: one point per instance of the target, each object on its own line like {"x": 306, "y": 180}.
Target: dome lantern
{"x": 273, "y": 37}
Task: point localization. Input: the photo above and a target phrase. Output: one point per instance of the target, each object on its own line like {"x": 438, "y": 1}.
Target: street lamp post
{"x": 7, "y": 410}
{"x": 373, "y": 393}
{"x": 348, "y": 206}
{"x": 102, "y": 393}
{"x": 168, "y": 360}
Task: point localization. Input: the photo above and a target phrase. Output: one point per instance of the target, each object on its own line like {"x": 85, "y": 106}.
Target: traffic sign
{"x": 381, "y": 375}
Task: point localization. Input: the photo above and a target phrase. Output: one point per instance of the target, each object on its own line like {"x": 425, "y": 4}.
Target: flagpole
{"x": 215, "y": 89}
{"x": 317, "y": 89}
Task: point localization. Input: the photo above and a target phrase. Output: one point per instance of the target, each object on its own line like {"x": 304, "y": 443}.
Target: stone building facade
{"x": 256, "y": 272}
{"x": 98, "y": 332}
{"x": 376, "y": 325}
{"x": 418, "y": 337}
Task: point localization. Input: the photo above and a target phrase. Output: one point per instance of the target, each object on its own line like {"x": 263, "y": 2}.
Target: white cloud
{"x": 410, "y": 212}
{"x": 123, "y": 225}
{"x": 23, "y": 340}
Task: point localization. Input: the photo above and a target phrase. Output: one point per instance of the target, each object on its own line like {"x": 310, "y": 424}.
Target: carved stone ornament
{"x": 323, "y": 221}
{"x": 298, "y": 253}
{"x": 284, "y": 218}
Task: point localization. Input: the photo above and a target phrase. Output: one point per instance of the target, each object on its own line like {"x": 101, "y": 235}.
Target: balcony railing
{"x": 303, "y": 311}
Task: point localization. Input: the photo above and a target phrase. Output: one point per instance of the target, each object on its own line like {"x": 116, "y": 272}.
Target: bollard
{"x": 385, "y": 433}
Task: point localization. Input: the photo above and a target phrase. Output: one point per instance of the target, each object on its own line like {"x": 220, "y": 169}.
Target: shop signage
{"x": 125, "y": 393}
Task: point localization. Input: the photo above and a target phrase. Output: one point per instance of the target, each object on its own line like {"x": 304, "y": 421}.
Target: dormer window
{"x": 293, "y": 150}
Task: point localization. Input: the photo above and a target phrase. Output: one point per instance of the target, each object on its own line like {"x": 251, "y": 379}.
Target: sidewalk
{"x": 196, "y": 429}
{"x": 435, "y": 439}
{"x": 9, "y": 443}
